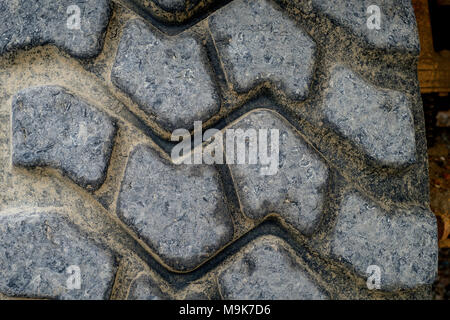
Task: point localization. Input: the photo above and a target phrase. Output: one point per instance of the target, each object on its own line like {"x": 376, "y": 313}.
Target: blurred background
{"x": 433, "y": 20}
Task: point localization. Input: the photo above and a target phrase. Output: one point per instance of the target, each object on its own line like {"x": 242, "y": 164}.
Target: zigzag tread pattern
{"x": 86, "y": 174}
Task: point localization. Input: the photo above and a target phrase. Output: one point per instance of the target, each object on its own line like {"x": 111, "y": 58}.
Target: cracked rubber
{"x": 86, "y": 177}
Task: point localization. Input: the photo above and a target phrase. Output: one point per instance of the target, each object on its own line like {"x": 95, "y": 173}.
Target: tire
{"x": 94, "y": 206}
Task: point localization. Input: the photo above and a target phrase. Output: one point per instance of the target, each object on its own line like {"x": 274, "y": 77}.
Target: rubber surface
{"x": 92, "y": 206}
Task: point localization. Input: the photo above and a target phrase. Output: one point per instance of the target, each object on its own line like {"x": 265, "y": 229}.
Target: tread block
{"x": 36, "y": 249}
{"x": 358, "y": 110}
{"x": 258, "y": 42}
{"x": 176, "y": 5}
{"x": 295, "y": 190}
{"x": 180, "y": 211}
{"x": 51, "y": 127}
{"x": 33, "y": 23}
{"x": 144, "y": 288}
{"x": 167, "y": 77}
{"x": 398, "y": 28}
{"x": 265, "y": 270}
{"x": 403, "y": 244}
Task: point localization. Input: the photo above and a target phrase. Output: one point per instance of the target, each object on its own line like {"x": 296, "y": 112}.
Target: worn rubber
{"x": 86, "y": 177}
